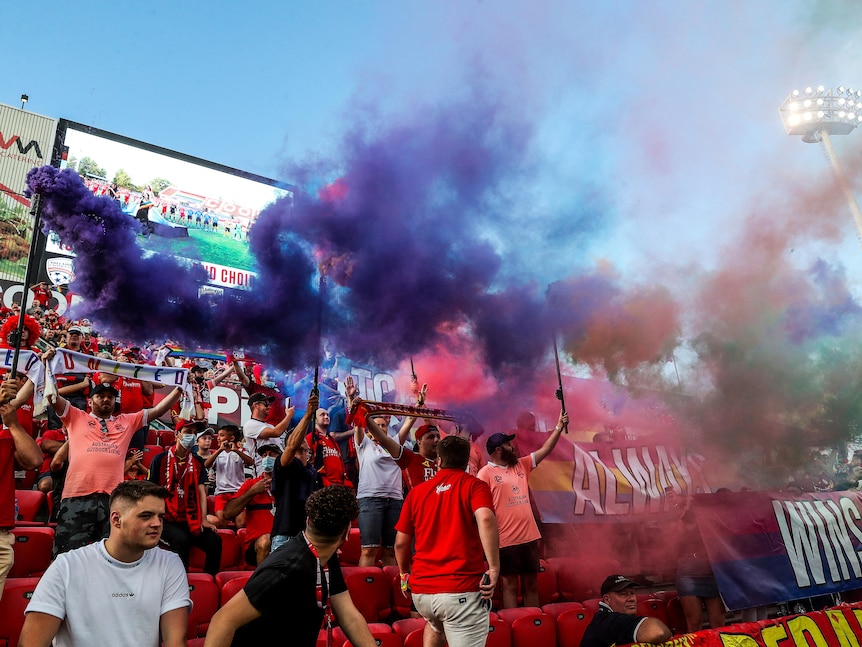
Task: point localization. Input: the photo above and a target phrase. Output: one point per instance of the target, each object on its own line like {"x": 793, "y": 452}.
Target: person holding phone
{"x": 229, "y": 462}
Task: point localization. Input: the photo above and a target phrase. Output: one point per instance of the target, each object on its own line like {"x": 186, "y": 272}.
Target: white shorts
{"x": 461, "y": 617}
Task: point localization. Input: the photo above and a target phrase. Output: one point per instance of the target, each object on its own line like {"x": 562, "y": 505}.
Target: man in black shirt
{"x": 617, "y": 623}
{"x": 282, "y": 591}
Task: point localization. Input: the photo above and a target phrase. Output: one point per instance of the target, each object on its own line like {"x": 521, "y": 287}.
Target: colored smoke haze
{"x": 417, "y": 228}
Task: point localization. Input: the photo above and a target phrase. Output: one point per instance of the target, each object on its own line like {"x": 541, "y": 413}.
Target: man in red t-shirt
{"x": 255, "y": 497}
{"x": 325, "y": 454}
{"x": 451, "y": 523}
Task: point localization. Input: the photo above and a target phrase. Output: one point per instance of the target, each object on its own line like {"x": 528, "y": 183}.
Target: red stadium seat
{"x": 338, "y": 637}
{"x": 676, "y": 617}
{"x": 547, "y": 583}
{"x": 167, "y": 438}
{"x": 407, "y": 626}
{"x": 230, "y": 553}
{"x": 231, "y": 588}
{"x": 510, "y": 615}
{"x": 557, "y": 608}
{"x": 223, "y": 577}
{"x": 592, "y": 605}
{"x": 16, "y": 597}
{"x": 571, "y": 626}
{"x": 400, "y": 604}
{"x": 27, "y": 481}
{"x": 32, "y": 550}
{"x": 150, "y": 452}
{"x": 31, "y": 504}
{"x": 152, "y": 436}
{"x": 499, "y": 633}
{"x": 414, "y": 638}
{"x": 205, "y": 598}
{"x": 382, "y": 634}
{"x": 653, "y": 608}
{"x": 351, "y": 549}
{"x": 533, "y": 631}
{"x": 370, "y": 591}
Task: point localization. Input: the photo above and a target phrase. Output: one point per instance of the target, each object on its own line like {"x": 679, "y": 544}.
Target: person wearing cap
{"x": 617, "y": 622}
{"x": 183, "y": 474}
{"x": 257, "y": 431}
{"x": 97, "y": 448}
{"x": 256, "y": 500}
{"x": 229, "y": 462}
{"x": 268, "y": 388}
{"x": 508, "y": 476}
{"x": 450, "y": 523}
{"x": 203, "y": 448}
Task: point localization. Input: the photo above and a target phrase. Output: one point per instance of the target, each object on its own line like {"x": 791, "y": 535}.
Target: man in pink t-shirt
{"x": 98, "y": 443}
{"x": 508, "y": 476}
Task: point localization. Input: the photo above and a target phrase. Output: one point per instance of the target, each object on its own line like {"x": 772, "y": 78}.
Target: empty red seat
{"x": 370, "y": 591}
{"x": 499, "y": 633}
{"x": 407, "y": 626}
{"x": 167, "y": 438}
{"x": 338, "y": 637}
{"x": 382, "y": 634}
{"x": 16, "y": 597}
{"x": 232, "y": 587}
{"x": 31, "y": 503}
{"x": 534, "y": 631}
{"x": 230, "y": 553}
{"x": 571, "y": 626}
{"x": 675, "y": 616}
{"x": 653, "y": 609}
{"x": 150, "y": 452}
{"x": 351, "y": 549}
{"x": 223, "y": 577}
{"x": 557, "y": 608}
{"x": 414, "y": 638}
{"x": 32, "y": 550}
{"x": 205, "y": 598}
{"x": 152, "y": 436}
{"x": 546, "y": 581}
{"x": 510, "y": 615}
{"x": 27, "y": 481}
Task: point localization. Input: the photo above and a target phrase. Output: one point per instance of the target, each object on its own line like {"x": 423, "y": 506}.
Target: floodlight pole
{"x": 845, "y": 184}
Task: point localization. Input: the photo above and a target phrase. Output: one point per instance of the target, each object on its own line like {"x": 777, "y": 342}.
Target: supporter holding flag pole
{"x": 559, "y": 392}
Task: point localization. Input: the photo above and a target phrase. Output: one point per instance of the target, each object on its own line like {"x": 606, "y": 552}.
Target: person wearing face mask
{"x": 255, "y": 498}
{"x": 183, "y": 474}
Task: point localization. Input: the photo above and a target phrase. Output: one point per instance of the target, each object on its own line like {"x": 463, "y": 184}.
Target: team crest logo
{"x": 60, "y": 270}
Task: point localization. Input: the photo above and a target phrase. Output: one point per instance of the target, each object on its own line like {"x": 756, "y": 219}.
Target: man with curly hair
{"x": 283, "y": 590}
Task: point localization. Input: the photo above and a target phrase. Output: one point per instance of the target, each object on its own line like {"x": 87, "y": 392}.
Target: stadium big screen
{"x": 193, "y": 208}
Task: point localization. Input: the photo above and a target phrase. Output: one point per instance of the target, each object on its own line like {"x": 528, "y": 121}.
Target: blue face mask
{"x": 187, "y": 440}
{"x": 268, "y": 463}
{"x": 269, "y": 384}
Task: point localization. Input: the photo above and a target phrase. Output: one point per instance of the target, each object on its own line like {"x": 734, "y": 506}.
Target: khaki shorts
{"x": 7, "y": 556}
{"x": 461, "y": 617}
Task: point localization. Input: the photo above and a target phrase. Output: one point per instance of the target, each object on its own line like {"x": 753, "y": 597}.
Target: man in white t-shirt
{"x": 258, "y": 432}
{"x": 122, "y": 591}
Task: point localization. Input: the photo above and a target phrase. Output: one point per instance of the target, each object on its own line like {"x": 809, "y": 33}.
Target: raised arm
{"x": 540, "y": 454}
{"x": 27, "y": 452}
{"x": 221, "y": 376}
{"x": 243, "y": 378}
{"x": 162, "y": 407}
{"x": 409, "y": 421}
{"x": 294, "y": 441}
{"x": 281, "y": 427}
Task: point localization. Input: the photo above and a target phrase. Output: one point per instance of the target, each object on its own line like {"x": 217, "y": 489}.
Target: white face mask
{"x": 187, "y": 440}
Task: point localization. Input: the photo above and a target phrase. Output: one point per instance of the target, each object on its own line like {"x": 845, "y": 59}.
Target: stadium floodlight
{"x": 24, "y": 99}
{"x": 833, "y": 112}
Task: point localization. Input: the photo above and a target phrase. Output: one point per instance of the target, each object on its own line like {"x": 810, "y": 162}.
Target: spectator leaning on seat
{"x": 123, "y": 591}
{"x": 617, "y": 622}
{"x": 279, "y": 603}
{"x": 255, "y": 499}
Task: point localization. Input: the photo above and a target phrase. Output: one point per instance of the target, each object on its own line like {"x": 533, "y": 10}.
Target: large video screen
{"x": 187, "y": 207}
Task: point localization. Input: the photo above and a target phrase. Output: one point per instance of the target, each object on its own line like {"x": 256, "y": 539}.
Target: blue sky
{"x": 651, "y": 125}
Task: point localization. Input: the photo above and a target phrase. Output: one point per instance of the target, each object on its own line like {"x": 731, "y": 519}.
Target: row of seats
{"x": 559, "y": 624}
